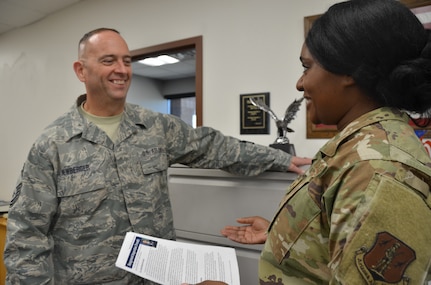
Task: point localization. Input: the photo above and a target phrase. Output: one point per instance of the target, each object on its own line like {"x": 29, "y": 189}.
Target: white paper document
{"x": 171, "y": 262}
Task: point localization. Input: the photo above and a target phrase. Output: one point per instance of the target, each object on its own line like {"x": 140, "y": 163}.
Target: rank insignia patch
{"x": 386, "y": 262}
{"x": 16, "y": 194}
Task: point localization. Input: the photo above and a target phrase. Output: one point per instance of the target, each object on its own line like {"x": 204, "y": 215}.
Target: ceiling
{"x": 183, "y": 69}
{"x": 18, "y": 13}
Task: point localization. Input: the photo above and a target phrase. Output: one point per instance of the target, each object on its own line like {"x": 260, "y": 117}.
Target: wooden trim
{"x": 415, "y": 3}
{"x": 308, "y": 22}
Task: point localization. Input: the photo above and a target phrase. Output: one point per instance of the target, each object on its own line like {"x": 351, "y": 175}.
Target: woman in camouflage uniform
{"x": 362, "y": 212}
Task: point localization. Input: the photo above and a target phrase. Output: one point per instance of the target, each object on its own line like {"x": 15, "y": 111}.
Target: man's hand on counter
{"x": 297, "y": 162}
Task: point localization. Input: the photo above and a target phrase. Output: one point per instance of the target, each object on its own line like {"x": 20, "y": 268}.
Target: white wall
{"x": 179, "y": 86}
{"x": 147, "y": 93}
{"x": 258, "y": 40}
{"x": 150, "y": 93}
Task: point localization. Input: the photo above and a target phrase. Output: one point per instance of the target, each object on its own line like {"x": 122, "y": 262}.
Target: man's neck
{"x": 104, "y": 110}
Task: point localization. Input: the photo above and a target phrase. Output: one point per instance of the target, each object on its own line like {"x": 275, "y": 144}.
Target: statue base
{"x": 286, "y": 147}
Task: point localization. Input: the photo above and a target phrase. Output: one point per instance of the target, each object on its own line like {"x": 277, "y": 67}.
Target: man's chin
{"x": 120, "y": 96}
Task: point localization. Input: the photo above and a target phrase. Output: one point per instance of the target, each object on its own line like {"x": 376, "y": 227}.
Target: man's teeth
{"x": 119, "y": 81}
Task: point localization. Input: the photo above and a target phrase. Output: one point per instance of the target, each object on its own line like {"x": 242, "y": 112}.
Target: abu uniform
{"x": 360, "y": 215}
{"x": 79, "y": 192}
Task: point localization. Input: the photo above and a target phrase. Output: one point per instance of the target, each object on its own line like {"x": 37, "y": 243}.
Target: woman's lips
{"x": 308, "y": 103}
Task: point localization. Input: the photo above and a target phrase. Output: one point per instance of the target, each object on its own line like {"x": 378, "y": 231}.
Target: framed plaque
{"x": 253, "y": 120}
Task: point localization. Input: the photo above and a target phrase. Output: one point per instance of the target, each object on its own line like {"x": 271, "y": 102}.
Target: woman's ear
{"x": 348, "y": 80}
{"x": 78, "y": 67}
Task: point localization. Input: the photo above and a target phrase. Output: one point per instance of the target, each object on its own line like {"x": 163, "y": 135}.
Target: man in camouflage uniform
{"x": 100, "y": 170}
{"x": 361, "y": 214}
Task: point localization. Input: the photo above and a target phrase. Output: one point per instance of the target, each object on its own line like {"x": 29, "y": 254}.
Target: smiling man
{"x": 100, "y": 170}
{"x": 104, "y": 65}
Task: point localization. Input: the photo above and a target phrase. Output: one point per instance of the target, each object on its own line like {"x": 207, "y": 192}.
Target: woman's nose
{"x": 299, "y": 84}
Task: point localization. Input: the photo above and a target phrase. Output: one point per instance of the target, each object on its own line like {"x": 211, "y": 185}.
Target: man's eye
{"x": 107, "y": 61}
{"x": 127, "y": 62}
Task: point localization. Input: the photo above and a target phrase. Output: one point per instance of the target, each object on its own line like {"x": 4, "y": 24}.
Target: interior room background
{"x": 249, "y": 46}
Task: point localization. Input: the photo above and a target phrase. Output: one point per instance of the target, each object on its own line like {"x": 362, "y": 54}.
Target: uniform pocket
{"x": 296, "y": 212}
{"x": 291, "y": 223}
{"x": 79, "y": 183}
{"x": 146, "y": 194}
{"x": 81, "y": 193}
{"x": 143, "y": 167}
{"x": 153, "y": 160}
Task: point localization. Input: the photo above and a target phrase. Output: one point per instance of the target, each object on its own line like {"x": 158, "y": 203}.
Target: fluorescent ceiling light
{"x": 158, "y": 61}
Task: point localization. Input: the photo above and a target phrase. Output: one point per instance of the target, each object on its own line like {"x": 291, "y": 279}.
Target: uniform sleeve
{"x": 28, "y": 247}
{"x": 375, "y": 233}
{"x": 205, "y": 147}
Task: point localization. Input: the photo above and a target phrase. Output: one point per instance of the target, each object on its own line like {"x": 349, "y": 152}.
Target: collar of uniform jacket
{"x": 132, "y": 118}
{"x": 377, "y": 115}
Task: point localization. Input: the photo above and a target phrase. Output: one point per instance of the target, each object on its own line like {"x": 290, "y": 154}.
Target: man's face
{"x": 106, "y": 67}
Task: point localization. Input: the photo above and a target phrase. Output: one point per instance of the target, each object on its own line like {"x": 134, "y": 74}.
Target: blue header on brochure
{"x": 132, "y": 255}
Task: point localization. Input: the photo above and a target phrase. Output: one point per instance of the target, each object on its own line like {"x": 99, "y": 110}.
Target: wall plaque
{"x": 253, "y": 120}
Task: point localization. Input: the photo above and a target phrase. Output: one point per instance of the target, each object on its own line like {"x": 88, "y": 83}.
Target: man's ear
{"x": 78, "y": 67}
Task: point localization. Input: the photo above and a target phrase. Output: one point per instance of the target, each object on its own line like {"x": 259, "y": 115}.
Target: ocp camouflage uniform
{"x": 360, "y": 215}
{"x": 79, "y": 193}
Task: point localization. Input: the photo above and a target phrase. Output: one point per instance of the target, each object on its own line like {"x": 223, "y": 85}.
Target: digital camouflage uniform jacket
{"x": 360, "y": 215}
{"x": 79, "y": 193}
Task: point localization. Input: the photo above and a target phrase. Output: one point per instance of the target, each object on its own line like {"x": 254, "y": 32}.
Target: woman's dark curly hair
{"x": 382, "y": 45}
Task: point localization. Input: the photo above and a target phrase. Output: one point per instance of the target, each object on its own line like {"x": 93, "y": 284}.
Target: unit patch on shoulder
{"x": 386, "y": 262}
